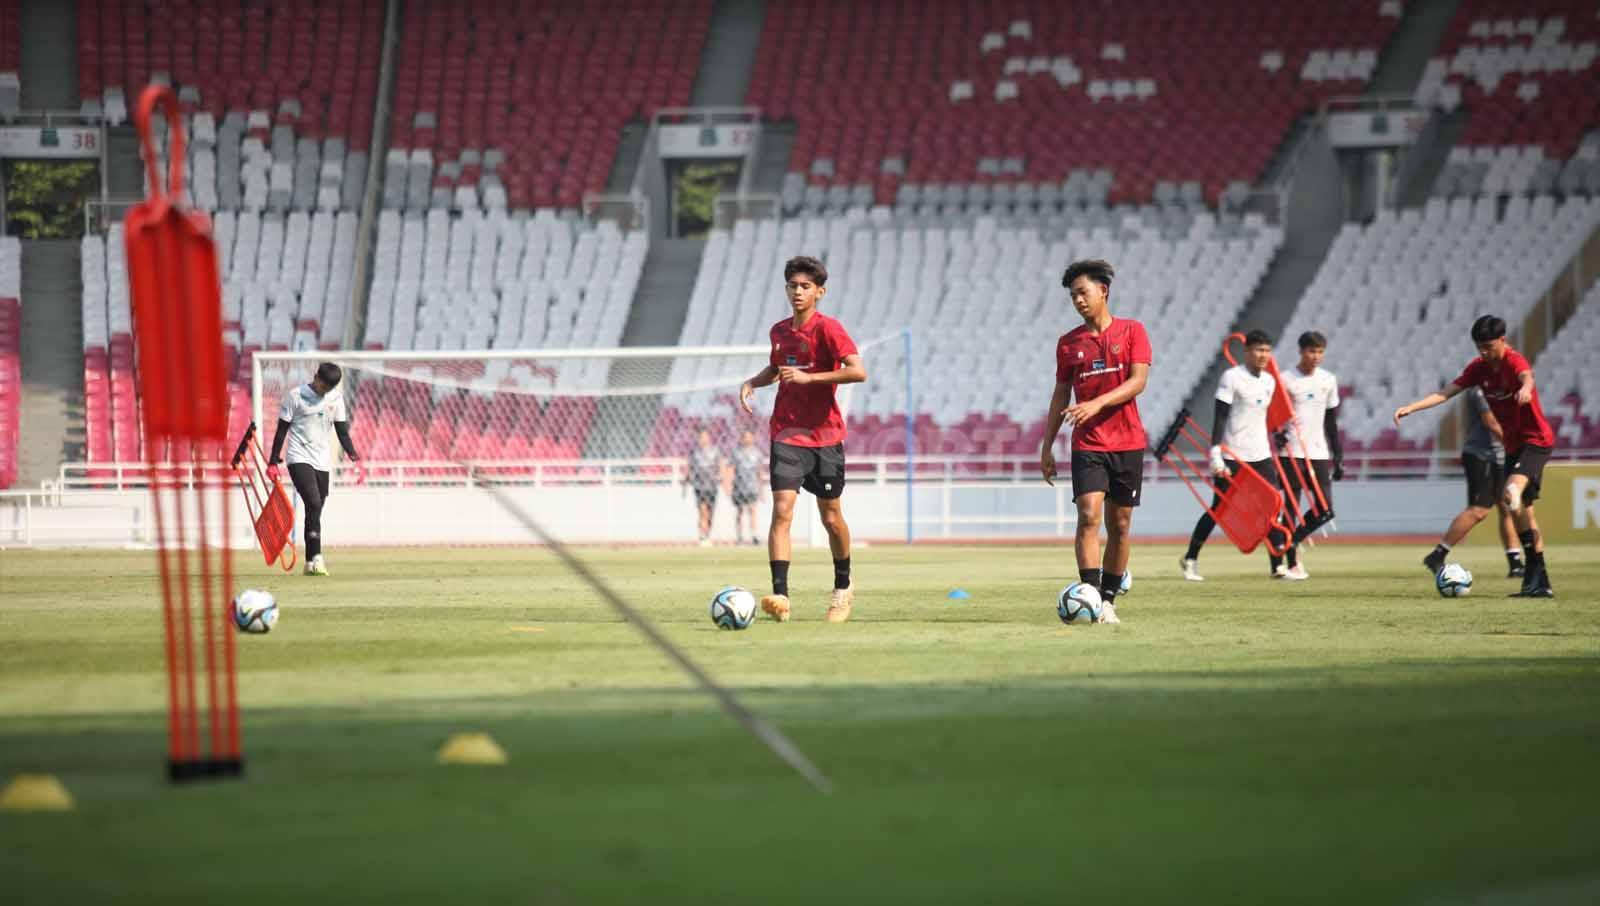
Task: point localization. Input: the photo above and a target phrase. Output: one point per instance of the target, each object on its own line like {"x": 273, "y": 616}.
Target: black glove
{"x": 1338, "y": 470}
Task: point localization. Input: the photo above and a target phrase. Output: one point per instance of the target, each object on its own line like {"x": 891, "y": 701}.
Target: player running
{"x": 705, "y": 475}
{"x": 1313, "y": 450}
{"x": 1240, "y": 425}
{"x": 1103, "y": 365}
{"x": 1506, "y": 379}
{"x": 746, "y": 486}
{"x": 811, "y": 355}
{"x": 305, "y": 416}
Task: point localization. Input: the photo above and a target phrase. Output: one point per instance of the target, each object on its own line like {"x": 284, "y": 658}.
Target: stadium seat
{"x": 948, "y": 88}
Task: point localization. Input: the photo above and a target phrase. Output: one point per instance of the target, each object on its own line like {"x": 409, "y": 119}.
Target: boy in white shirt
{"x": 1240, "y": 426}
{"x": 305, "y": 417}
{"x": 1314, "y": 450}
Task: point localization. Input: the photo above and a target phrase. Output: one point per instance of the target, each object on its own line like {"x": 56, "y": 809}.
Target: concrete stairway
{"x": 52, "y": 424}
{"x": 729, "y": 54}
{"x": 49, "y": 70}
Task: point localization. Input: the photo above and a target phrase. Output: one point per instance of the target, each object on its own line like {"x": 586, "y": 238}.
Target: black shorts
{"x": 1118, "y": 475}
{"x": 1484, "y": 479}
{"x": 1294, "y": 468}
{"x": 1528, "y": 461}
{"x": 743, "y": 498}
{"x": 705, "y": 497}
{"x": 819, "y": 470}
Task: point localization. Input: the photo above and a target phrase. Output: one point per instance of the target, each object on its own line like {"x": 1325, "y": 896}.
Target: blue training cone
{"x": 958, "y": 594}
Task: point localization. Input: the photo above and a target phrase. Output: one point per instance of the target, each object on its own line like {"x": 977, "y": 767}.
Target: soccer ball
{"x": 1079, "y": 603}
{"x": 255, "y": 610}
{"x": 1454, "y": 581}
{"x": 733, "y": 608}
{"x": 1127, "y": 582}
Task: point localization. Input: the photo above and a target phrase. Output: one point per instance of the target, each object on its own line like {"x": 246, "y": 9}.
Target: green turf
{"x": 1354, "y": 738}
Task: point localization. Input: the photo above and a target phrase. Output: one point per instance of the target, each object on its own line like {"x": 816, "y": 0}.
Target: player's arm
{"x": 1330, "y": 430}
{"x": 1492, "y": 424}
{"x": 1052, "y": 426}
{"x": 342, "y": 429}
{"x": 1525, "y": 392}
{"x": 1436, "y": 398}
{"x": 851, "y": 371}
{"x": 762, "y": 378}
{"x": 1219, "y": 425}
{"x": 1138, "y": 376}
{"x": 278, "y": 438}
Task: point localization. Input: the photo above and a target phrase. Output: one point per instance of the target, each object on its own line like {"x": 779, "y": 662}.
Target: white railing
{"x": 966, "y": 470}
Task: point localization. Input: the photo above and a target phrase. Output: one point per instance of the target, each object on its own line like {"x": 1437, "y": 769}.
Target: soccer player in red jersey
{"x": 1506, "y": 379}
{"x": 811, "y": 355}
{"x": 1103, "y": 365}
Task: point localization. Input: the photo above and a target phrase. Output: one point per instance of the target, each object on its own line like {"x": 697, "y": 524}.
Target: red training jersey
{"x": 1095, "y": 364}
{"x": 807, "y": 415}
{"x": 1522, "y": 425}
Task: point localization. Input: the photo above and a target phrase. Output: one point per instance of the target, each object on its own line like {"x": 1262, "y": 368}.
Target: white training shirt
{"x": 311, "y": 419}
{"x": 1248, "y": 395}
{"x": 1313, "y": 395}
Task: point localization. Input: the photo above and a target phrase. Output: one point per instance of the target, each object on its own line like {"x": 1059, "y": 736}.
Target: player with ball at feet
{"x": 811, "y": 355}
{"x": 1102, "y": 365}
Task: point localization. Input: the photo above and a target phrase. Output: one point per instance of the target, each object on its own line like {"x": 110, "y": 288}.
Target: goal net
{"x": 569, "y": 418}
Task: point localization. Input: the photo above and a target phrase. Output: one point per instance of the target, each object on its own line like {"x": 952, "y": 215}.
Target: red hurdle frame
{"x": 1249, "y": 509}
{"x": 271, "y": 512}
{"x": 176, "y": 302}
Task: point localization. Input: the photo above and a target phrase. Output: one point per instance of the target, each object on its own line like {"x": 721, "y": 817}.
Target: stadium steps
{"x": 772, "y": 161}
{"x": 730, "y": 53}
{"x": 124, "y": 169}
{"x": 1312, "y": 220}
{"x": 656, "y": 318}
{"x": 1432, "y": 154}
{"x": 52, "y": 415}
{"x": 49, "y": 69}
{"x": 1422, "y": 27}
{"x": 629, "y": 148}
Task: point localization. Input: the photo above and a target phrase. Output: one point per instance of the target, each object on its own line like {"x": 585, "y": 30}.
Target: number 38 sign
{"x": 50, "y": 141}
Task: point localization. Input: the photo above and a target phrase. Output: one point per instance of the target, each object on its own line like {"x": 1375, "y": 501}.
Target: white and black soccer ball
{"x": 733, "y": 608}
{"x": 1079, "y": 602}
{"x": 1454, "y": 581}
{"x": 255, "y": 611}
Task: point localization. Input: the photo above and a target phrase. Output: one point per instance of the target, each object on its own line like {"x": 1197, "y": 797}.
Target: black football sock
{"x": 1537, "y": 567}
{"x": 1110, "y": 586}
{"x": 1435, "y": 560}
{"x": 841, "y": 573}
{"x": 1534, "y": 560}
{"x": 1090, "y": 577}
{"x": 780, "y": 577}
{"x": 1293, "y": 557}
{"x": 1202, "y": 531}
{"x": 1275, "y": 560}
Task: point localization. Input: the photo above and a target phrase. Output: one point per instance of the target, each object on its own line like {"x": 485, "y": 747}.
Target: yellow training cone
{"x": 35, "y": 793}
{"x": 472, "y": 748}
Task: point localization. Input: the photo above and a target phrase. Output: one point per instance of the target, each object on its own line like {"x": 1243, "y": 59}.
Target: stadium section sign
{"x": 1375, "y": 128}
{"x": 734, "y": 140}
{"x": 1569, "y": 503}
{"x": 50, "y": 141}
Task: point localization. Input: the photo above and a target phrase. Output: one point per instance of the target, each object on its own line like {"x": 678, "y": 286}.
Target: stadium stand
{"x": 1568, "y": 373}
{"x": 492, "y": 280}
{"x": 1526, "y": 72}
{"x": 958, "y": 104}
{"x": 520, "y": 105}
{"x": 10, "y": 356}
{"x": 978, "y": 295}
{"x": 1396, "y": 299}
{"x": 278, "y": 104}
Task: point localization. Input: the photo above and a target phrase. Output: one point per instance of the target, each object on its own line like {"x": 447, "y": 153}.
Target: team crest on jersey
{"x": 1116, "y": 347}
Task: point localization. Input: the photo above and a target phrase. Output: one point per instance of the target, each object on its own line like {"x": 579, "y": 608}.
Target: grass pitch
{"x": 1354, "y": 738}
